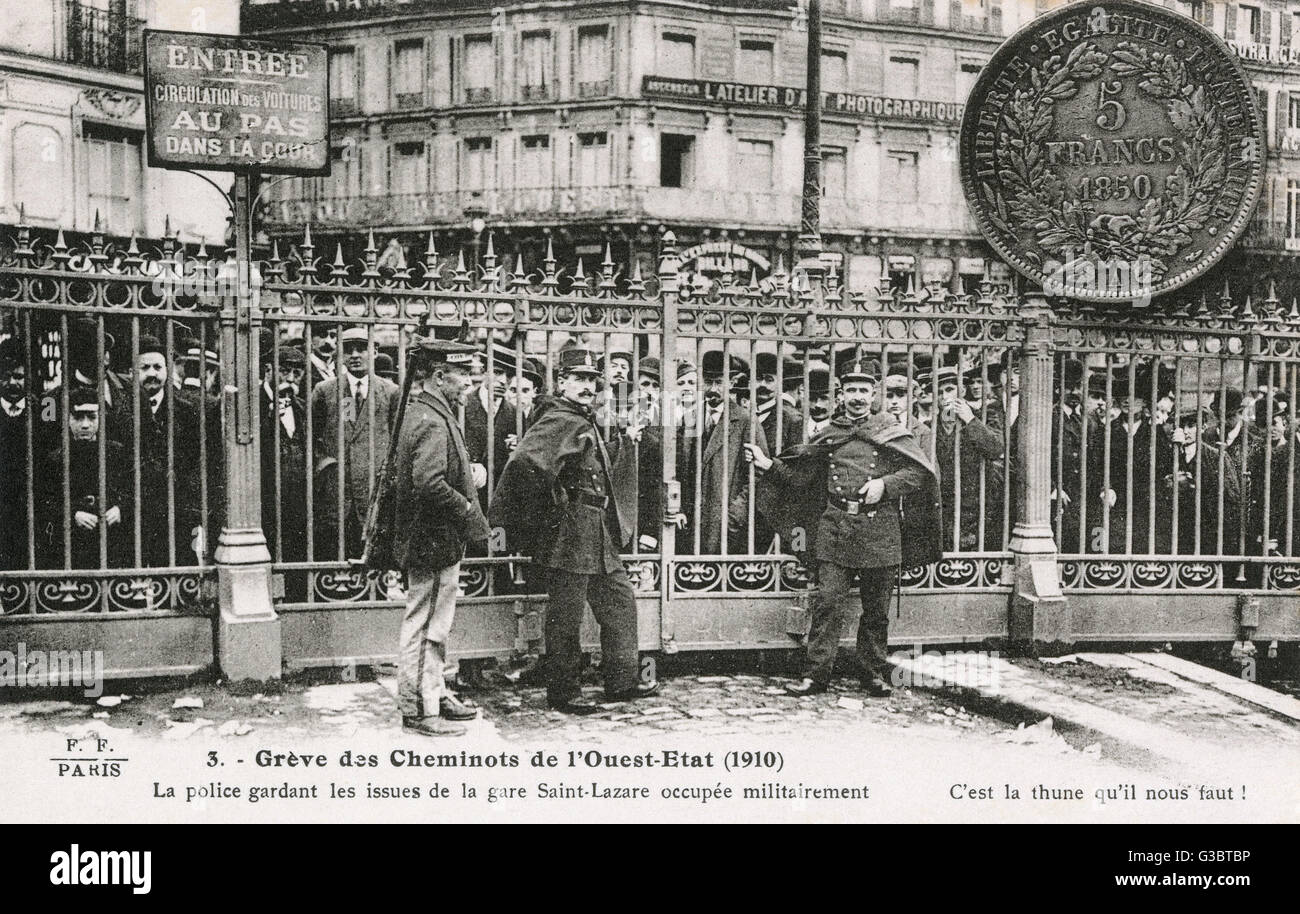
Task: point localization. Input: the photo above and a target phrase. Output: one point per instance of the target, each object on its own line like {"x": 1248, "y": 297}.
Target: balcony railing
{"x": 478, "y": 95}
{"x": 537, "y": 93}
{"x": 405, "y": 101}
{"x": 721, "y": 207}
{"x": 448, "y": 207}
{"x": 106, "y": 39}
{"x": 595, "y": 89}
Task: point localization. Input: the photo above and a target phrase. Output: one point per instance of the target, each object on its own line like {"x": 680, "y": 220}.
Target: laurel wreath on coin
{"x": 1035, "y": 202}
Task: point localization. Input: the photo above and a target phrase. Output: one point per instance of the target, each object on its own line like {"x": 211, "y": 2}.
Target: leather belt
{"x": 590, "y": 498}
{"x": 851, "y": 506}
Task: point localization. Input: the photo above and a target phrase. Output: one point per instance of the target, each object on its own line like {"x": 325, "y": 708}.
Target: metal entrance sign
{"x": 225, "y": 103}
{"x": 1112, "y": 151}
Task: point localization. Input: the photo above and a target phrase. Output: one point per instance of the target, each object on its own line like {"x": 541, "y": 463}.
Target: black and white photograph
{"x": 709, "y": 411}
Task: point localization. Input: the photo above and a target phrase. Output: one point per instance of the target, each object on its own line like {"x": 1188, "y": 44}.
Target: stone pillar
{"x": 1039, "y": 613}
{"x": 248, "y": 631}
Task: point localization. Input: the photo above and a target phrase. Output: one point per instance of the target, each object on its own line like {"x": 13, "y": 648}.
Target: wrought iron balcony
{"x": 681, "y": 206}
{"x": 478, "y": 95}
{"x": 413, "y": 210}
{"x": 595, "y": 89}
{"x": 103, "y": 38}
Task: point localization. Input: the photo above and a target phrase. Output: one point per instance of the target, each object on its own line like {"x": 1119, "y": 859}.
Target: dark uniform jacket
{"x": 794, "y": 493}
{"x": 549, "y": 496}
{"x": 437, "y": 509}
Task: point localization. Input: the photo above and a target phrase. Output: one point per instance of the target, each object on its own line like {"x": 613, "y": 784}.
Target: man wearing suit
{"x": 844, "y": 490}
{"x": 167, "y": 420}
{"x": 486, "y": 411}
{"x": 724, "y": 493}
{"x": 437, "y": 515}
{"x": 356, "y": 409}
{"x": 566, "y": 500}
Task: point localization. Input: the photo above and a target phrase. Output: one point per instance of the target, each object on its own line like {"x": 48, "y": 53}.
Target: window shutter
{"x": 1283, "y": 114}
{"x": 1284, "y": 30}
{"x": 392, "y": 87}
{"x": 927, "y": 12}
{"x": 1230, "y": 21}
{"x": 359, "y": 77}
{"x": 427, "y": 71}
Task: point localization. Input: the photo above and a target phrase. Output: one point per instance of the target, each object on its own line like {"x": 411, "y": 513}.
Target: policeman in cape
{"x": 437, "y": 515}
{"x": 841, "y": 496}
{"x": 567, "y": 498}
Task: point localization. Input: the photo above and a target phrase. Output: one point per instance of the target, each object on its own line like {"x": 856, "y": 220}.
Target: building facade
{"x": 72, "y": 120}
{"x": 588, "y": 123}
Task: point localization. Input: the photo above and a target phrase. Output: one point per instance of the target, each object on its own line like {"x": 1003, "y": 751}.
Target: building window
{"x": 342, "y": 180}
{"x": 535, "y": 161}
{"x": 105, "y": 35}
{"x": 904, "y": 10}
{"x": 1251, "y": 23}
{"x": 343, "y": 80}
{"x": 407, "y": 168}
{"x": 677, "y": 55}
{"x": 902, "y": 75}
{"x": 676, "y": 160}
{"x": 967, "y": 73}
{"x": 594, "y": 65}
{"x": 476, "y": 173}
{"x": 480, "y": 68}
{"x": 593, "y": 165}
{"x": 408, "y": 74}
{"x": 834, "y": 173}
{"x": 1261, "y": 101}
{"x": 113, "y": 177}
{"x": 901, "y": 176}
{"x": 753, "y": 165}
{"x": 1295, "y": 31}
{"x": 535, "y": 66}
{"x": 1293, "y": 112}
{"x": 1292, "y": 208}
{"x": 756, "y": 62}
{"x": 835, "y": 71}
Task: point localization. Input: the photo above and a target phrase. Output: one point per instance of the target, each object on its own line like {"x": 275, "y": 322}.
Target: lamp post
{"x": 810, "y": 239}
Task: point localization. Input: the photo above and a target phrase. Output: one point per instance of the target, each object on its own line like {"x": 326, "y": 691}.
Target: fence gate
{"x": 1158, "y": 453}
{"x": 113, "y": 490}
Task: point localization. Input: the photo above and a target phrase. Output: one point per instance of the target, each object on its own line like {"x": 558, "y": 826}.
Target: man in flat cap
{"x": 356, "y": 410}
{"x": 566, "y": 498}
{"x": 838, "y": 497}
{"x": 437, "y": 516}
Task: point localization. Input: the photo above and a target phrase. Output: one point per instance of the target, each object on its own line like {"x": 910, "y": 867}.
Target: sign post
{"x": 223, "y": 103}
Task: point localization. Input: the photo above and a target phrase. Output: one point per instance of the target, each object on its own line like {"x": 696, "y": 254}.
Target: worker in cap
{"x": 436, "y": 516}
{"x": 567, "y": 499}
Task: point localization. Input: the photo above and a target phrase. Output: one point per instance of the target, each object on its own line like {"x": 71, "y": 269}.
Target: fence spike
{"x": 306, "y": 237}
{"x": 370, "y": 242}
{"x": 22, "y": 214}
{"x": 1225, "y": 300}
{"x": 96, "y": 229}
{"x": 1294, "y": 316}
{"x": 431, "y": 250}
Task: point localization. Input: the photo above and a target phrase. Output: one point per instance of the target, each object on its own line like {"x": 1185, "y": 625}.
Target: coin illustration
{"x": 1112, "y": 151}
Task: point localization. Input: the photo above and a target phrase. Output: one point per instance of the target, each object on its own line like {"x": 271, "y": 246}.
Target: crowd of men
{"x": 1142, "y": 462}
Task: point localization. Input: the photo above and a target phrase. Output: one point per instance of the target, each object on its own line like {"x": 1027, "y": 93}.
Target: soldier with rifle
{"x": 424, "y": 514}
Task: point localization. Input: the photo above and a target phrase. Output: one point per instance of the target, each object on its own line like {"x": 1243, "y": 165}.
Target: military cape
{"x": 796, "y": 498}
{"x": 530, "y": 497}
